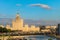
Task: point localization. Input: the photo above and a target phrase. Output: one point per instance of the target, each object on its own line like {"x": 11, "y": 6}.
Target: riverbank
{"x": 56, "y": 36}
{"x": 28, "y": 37}
{"x": 50, "y": 35}
{"x": 20, "y": 34}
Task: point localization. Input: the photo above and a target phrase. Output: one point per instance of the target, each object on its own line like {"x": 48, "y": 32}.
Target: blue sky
{"x": 8, "y": 9}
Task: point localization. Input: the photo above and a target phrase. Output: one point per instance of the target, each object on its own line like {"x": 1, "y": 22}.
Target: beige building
{"x": 48, "y": 27}
{"x": 2, "y": 26}
{"x": 17, "y": 24}
{"x": 51, "y": 27}
{"x": 45, "y": 30}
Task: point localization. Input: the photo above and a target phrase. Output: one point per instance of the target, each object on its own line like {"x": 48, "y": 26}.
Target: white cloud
{"x": 41, "y": 5}
{"x": 18, "y": 4}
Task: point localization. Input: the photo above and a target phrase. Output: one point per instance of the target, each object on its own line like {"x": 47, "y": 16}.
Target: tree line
{"x": 2, "y": 30}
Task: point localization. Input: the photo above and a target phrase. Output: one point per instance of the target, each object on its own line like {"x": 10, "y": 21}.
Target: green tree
{"x": 0, "y": 29}
{"x": 50, "y": 39}
{"x": 5, "y": 30}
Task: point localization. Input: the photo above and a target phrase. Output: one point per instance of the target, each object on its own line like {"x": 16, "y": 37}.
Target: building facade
{"x": 17, "y": 24}
{"x": 58, "y": 29}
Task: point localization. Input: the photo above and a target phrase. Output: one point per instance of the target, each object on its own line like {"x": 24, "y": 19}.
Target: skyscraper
{"x": 17, "y": 24}
{"x": 58, "y": 29}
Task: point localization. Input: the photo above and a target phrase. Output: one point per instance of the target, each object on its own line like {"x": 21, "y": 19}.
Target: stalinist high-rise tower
{"x": 17, "y": 24}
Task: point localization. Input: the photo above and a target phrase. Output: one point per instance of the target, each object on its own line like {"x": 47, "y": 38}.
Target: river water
{"x": 33, "y": 37}
{"x": 39, "y": 37}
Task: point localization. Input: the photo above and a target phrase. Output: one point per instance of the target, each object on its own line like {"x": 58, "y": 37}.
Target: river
{"x": 34, "y": 37}
{"x": 40, "y": 37}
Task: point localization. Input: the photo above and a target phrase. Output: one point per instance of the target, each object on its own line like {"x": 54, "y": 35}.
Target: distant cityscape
{"x": 29, "y": 20}
{"x": 18, "y": 24}
{"x": 18, "y": 28}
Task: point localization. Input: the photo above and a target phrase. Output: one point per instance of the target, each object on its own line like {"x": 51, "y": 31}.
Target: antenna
{"x": 18, "y": 8}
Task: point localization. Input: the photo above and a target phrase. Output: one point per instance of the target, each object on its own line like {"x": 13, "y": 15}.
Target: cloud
{"x": 41, "y": 5}
{"x": 18, "y": 4}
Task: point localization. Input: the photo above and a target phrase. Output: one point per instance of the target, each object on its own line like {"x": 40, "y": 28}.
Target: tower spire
{"x": 17, "y": 16}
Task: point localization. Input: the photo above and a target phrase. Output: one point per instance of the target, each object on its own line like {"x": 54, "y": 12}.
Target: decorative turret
{"x": 17, "y": 15}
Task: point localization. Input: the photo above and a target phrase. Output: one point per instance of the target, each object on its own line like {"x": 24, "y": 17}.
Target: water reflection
{"x": 39, "y": 37}
{"x": 57, "y": 38}
{"x": 32, "y": 37}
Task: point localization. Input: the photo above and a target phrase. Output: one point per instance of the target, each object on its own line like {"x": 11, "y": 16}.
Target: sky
{"x": 31, "y": 9}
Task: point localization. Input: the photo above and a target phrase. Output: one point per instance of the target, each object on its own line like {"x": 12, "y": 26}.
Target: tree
{"x": 4, "y": 30}
{"x": 0, "y": 29}
{"x": 50, "y": 39}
